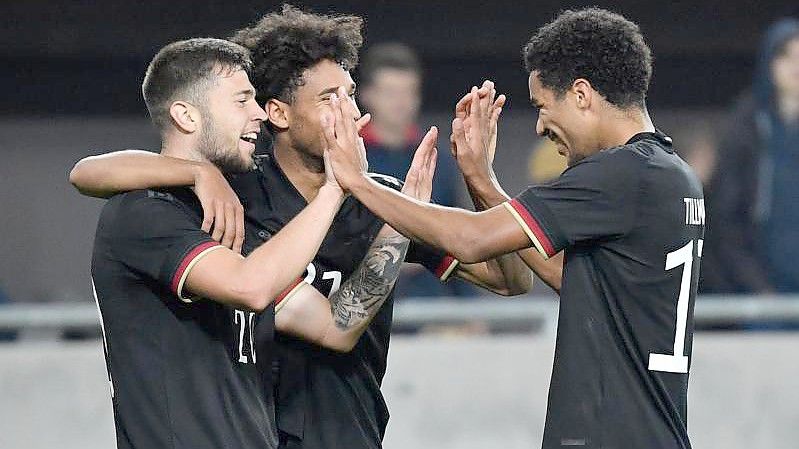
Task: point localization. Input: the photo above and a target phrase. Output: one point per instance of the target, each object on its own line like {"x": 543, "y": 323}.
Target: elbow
{"x": 252, "y": 299}
{"x": 469, "y": 247}
{"x": 77, "y": 177}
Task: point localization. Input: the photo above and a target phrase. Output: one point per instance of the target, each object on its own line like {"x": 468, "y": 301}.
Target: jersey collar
{"x": 661, "y": 138}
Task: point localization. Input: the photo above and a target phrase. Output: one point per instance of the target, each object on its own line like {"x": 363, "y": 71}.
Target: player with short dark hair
{"x": 329, "y": 395}
{"x": 627, "y": 212}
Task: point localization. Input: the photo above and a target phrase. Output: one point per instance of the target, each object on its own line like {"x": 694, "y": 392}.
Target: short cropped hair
{"x": 388, "y": 55}
{"x": 184, "y": 70}
{"x": 286, "y": 43}
{"x": 595, "y": 44}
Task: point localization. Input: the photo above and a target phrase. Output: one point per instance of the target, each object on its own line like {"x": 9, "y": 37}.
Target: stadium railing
{"x": 50, "y": 320}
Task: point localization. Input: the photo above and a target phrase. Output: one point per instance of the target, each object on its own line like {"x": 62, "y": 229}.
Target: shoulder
{"x": 618, "y": 161}
{"x": 141, "y": 210}
{"x": 387, "y": 180}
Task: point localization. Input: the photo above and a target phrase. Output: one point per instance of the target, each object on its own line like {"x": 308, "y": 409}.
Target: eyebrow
{"x": 331, "y": 90}
{"x": 247, "y": 92}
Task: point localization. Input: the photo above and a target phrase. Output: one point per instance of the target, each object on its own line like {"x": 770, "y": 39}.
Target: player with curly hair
{"x": 628, "y": 215}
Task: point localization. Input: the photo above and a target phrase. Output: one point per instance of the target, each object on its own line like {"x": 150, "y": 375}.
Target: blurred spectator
{"x": 390, "y": 88}
{"x": 753, "y": 205}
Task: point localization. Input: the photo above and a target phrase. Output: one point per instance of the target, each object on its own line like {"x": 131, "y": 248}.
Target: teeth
{"x": 252, "y": 136}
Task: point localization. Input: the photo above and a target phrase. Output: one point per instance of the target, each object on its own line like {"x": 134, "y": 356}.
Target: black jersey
{"x": 183, "y": 371}
{"x": 328, "y": 399}
{"x": 631, "y": 221}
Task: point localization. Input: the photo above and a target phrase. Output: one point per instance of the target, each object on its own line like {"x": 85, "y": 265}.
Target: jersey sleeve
{"x": 593, "y": 200}
{"x": 442, "y": 265}
{"x": 160, "y": 240}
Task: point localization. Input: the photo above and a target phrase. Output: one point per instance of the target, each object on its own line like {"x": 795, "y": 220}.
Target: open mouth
{"x": 251, "y": 137}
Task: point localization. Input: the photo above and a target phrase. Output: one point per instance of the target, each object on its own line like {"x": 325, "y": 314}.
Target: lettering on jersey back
{"x": 694, "y": 211}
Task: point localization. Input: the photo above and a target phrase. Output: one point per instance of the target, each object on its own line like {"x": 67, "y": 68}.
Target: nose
{"x": 257, "y": 113}
{"x": 355, "y": 107}
{"x": 539, "y": 127}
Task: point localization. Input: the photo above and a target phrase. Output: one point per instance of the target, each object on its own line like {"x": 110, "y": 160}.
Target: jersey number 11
{"x": 678, "y": 361}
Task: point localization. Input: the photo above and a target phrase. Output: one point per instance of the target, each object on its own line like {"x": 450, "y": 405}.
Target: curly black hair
{"x": 598, "y": 45}
{"x": 286, "y": 43}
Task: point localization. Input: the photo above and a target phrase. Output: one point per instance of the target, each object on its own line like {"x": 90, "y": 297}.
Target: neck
{"x": 180, "y": 147}
{"x": 623, "y": 125}
{"x": 390, "y": 136}
{"x": 305, "y": 174}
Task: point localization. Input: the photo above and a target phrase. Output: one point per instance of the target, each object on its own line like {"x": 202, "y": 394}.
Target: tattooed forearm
{"x": 364, "y": 292}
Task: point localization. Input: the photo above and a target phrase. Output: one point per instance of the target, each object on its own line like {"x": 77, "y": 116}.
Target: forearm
{"x": 281, "y": 260}
{"x": 507, "y": 275}
{"x": 550, "y": 270}
{"x": 108, "y": 174}
{"x": 360, "y": 297}
{"x": 458, "y": 232}
{"x": 338, "y": 323}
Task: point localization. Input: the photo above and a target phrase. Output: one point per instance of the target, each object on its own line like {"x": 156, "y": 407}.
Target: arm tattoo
{"x": 365, "y": 291}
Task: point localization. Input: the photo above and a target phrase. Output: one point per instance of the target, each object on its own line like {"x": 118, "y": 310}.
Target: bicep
{"x": 215, "y": 274}
{"x": 493, "y": 233}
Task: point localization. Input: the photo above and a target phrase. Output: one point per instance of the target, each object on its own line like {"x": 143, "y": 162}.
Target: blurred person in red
{"x": 390, "y": 80}
{"x": 754, "y": 194}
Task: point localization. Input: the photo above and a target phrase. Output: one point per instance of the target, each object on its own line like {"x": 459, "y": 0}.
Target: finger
{"x": 421, "y": 152}
{"x": 500, "y": 101}
{"x": 361, "y": 123}
{"x": 208, "y": 218}
{"x": 230, "y": 226}
{"x": 459, "y": 134}
{"x": 474, "y": 109}
{"x": 362, "y": 154}
{"x": 453, "y": 147}
{"x": 338, "y": 118}
{"x": 348, "y": 112}
{"x": 219, "y": 221}
{"x": 485, "y": 88}
{"x": 328, "y": 130}
{"x": 238, "y": 241}
{"x": 462, "y": 107}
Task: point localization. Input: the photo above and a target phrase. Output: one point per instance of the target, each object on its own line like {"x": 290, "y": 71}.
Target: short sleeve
{"x": 157, "y": 237}
{"x": 437, "y": 262}
{"x": 593, "y": 200}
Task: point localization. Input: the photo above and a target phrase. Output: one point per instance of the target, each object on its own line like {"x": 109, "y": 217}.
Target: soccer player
{"x": 628, "y": 212}
{"x": 326, "y": 398}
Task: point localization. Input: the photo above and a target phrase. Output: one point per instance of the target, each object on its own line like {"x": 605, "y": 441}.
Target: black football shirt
{"x": 327, "y": 399}
{"x": 631, "y": 222}
{"x": 183, "y": 371}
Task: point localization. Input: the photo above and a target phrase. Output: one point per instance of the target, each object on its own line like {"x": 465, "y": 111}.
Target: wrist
{"x": 203, "y": 170}
{"x": 332, "y": 192}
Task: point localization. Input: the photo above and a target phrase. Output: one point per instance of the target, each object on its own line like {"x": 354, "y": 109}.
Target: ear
{"x": 277, "y": 113}
{"x": 583, "y": 93}
{"x": 185, "y": 116}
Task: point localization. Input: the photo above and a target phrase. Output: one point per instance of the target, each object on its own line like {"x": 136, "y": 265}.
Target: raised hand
{"x": 222, "y": 210}
{"x": 474, "y": 130}
{"x": 345, "y": 150}
{"x": 487, "y": 95}
{"x": 419, "y": 180}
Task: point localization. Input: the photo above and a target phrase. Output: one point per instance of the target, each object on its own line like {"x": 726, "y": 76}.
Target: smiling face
{"x": 300, "y": 124}
{"x": 565, "y": 119}
{"x": 231, "y": 121}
